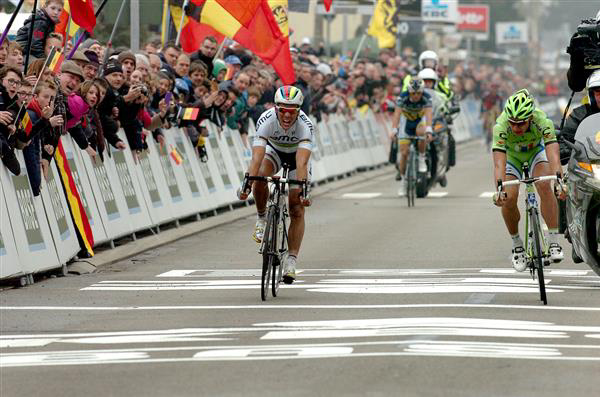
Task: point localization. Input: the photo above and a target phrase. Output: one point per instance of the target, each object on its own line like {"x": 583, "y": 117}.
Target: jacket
{"x": 42, "y": 27}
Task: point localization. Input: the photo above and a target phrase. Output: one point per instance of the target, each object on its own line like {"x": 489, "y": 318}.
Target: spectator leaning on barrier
{"x": 46, "y": 19}
{"x": 40, "y": 111}
{"x": 11, "y": 81}
{"x": 109, "y": 109}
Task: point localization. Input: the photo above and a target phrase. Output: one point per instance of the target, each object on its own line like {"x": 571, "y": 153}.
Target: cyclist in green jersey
{"x": 525, "y": 134}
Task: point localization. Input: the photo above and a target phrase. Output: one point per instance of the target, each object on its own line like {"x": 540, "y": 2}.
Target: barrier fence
{"x": 122, "y": 196}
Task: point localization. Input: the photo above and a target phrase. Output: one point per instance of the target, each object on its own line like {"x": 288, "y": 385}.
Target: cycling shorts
{"x": 278, "y": 158}
{"x": 533, "y": 157}
{"x": 410, "y": 129}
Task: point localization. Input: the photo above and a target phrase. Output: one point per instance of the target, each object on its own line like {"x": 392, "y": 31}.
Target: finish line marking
{"x": 360, "y": 195}
{"x": 437, "y": 194}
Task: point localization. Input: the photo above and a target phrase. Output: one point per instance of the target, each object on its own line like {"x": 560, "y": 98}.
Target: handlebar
{"x": 277, "y": 180}
{"x": 527, "y": 181}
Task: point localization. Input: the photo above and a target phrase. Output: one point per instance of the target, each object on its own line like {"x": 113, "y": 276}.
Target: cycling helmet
{"x": 428, "y": 74}
{"x": 593, "y": 82}
{"x": 416, "y": 85}
{"x": 289, "y": 95}
{"x": 520, "y": 106}
{"x": 428, "y": 55}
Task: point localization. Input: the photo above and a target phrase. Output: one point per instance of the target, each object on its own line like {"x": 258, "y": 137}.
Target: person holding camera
{"x": 584, "y": 49}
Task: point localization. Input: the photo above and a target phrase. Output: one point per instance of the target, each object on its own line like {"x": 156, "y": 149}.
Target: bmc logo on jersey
{"x": 285, "y": 138}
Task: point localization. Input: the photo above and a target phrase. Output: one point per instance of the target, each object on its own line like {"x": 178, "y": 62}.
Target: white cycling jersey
{"x": 299, "y": 135}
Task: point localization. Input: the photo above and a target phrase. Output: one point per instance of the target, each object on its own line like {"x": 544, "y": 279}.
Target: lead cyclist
{"x": 525, "y": 134}
{"x": 284, "y": 135}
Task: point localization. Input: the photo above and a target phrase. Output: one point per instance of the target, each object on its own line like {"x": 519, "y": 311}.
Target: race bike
{"x": 583, "y": 202}
{"x": 438, "y": 153}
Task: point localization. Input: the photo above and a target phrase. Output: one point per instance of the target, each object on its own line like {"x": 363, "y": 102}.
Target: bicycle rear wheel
{"x": 538, "y": 259}
{"x": 267, "y": 254}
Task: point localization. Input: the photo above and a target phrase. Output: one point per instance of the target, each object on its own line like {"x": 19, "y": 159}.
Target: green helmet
{"x": 519, "y": 106}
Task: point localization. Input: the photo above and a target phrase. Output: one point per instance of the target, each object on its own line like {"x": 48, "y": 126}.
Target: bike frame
{"x": 536, "y": 234}
{"x": 411, "y": 168}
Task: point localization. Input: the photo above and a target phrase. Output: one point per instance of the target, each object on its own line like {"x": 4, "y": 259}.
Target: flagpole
{"x": 84, "y": 35}
{"x": 30, "y": 37}
{"x": 220, "y": 48}
{"x": 358, "y": 49}
{"x": 12, "y": 19}
{"x": 185, "y": 4}
{"x": 112, "y": 35}
{"x": 67, "y": 33}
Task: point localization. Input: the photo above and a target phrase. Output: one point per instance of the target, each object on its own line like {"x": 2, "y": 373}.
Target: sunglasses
{"x": 518, "y": 123}
{"x": 284, "y": 110}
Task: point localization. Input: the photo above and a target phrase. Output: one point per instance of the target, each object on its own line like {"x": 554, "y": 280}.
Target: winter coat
{"x": 42, "y": 27}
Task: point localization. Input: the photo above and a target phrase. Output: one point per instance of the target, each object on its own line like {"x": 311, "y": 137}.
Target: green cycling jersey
{"x": 540, "y": 133}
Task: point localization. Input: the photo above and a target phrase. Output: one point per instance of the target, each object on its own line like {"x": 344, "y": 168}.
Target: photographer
{"x": 584, "y": 49}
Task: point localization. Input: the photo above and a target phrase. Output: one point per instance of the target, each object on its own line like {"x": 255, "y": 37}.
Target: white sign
{"x": 444, "y": 11}
{"x": 511, "y": 32}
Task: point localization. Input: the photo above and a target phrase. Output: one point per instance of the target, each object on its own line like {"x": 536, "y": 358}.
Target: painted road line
{"x": 437, "y": 194}
{"x": 487, "y": 195}
{"x": 404, "y": 348}
{"x": 305, "y": 307}
{"x": 360, "y": 196}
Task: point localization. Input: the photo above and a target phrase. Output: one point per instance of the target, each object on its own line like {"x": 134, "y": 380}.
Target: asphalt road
{"x": 390, "y": 301}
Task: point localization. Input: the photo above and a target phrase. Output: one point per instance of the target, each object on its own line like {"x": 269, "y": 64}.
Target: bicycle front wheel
{"x": 282, "y": 249}
{"x": 538, "y": 255}
{"x": 267, "y": 254}
{"x": 411, "y": 179}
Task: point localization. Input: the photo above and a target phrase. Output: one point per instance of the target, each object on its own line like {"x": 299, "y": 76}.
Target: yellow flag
{"x": 280, "y": 12}
{"x": 382, "y": 24}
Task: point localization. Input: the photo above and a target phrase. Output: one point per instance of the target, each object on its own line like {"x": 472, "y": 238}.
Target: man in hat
{"x": 90, "y": 70}
{"x": 127, "y": 61}
{"x": 235, "y": 62}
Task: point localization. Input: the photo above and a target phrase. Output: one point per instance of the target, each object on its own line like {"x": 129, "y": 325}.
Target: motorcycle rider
{"x": 581, "y": 112}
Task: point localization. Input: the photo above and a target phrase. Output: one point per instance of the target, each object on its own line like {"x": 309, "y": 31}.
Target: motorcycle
{"x": 438, "y": 154}
{"x": 583, "y": 202}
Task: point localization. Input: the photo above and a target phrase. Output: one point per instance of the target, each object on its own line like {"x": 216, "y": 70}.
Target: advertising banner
{"x": 511, "y": 33}
{"x": 474, "y": 19}
{"x": 441, "y": 11}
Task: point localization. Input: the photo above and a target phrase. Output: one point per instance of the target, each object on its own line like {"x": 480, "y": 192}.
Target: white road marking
{"x": 288, "y": 307}
{"x": 437, "y": 194}
{"x": 360, "y": 196}
{"x": 487, "y": 195}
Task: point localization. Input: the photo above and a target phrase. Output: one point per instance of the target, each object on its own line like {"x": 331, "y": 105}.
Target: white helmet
{"x": 428, "y": 74}
{"x": 289, "y": 95}
{"x": 428, "y": 55}
{"x": 593, "y": 82}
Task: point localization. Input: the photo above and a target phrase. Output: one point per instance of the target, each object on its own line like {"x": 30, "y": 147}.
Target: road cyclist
{"x": 414, "y": 105}
{"x": 523, "y": 134}
{"x": 284, "y": 135}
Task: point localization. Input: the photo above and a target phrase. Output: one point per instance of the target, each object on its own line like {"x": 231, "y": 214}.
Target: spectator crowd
{"x": 99, "y": 91}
